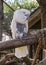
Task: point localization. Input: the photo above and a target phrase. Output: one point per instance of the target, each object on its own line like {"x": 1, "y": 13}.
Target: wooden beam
{"x": 34, "y": 17}
{"x": 9, "y": 6}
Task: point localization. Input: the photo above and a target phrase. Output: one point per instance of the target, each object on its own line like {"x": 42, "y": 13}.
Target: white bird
{"x": 19, "y": 26}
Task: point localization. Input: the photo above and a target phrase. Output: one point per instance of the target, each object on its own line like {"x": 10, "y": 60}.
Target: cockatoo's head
{"x": 21, "y": 15}
{"x": 26, "y": 13}
{"x": 19, "y": 24}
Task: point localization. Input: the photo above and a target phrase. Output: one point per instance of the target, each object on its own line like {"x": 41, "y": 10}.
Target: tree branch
{"x": 28, "y": 40}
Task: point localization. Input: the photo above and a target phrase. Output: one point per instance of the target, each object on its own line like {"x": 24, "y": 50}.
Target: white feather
{"x": 5, "y": 37}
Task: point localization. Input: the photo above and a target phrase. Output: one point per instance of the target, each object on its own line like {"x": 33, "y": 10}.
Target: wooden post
{"x": 43, "y": 17}
{"x": 1, "y": 18}
{"x": 43, "y": 12}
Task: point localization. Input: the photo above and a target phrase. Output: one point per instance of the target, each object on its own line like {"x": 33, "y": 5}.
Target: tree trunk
{"x": 1, "y": 18}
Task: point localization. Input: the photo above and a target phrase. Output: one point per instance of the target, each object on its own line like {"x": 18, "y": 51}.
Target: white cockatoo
{"x": 19, "y": 26}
